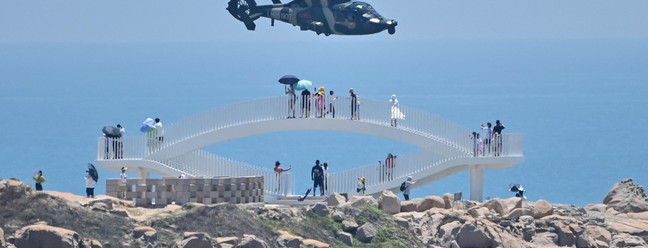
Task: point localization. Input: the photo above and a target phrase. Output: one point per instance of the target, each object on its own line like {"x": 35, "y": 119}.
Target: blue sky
{"x": 203, "y": 21}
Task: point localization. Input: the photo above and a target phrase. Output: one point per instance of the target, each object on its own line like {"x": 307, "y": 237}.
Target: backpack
{"x": 402, "y": 187}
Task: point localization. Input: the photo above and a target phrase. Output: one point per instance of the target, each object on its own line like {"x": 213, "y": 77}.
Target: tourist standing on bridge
{"x": 39, "y": 179}
{"x": 305, "y": 103}
{"x": 326, "y": 177}
{"x": 317, "y": 175}
{"x": 292, "y": 98}
{"x": 487, "y": 136}
{"x": 278, "y": 171}
{"x": 331, "y": 102}
{"x": 497, "y": 136}
{"x": 320, "y": 99}
{"x": 395, "y": 110}
{"x": 159, "y": 132}
{"x": 406, "y": 191}
{"x": 354, "y": 104}
{"x": 390, "y": 163}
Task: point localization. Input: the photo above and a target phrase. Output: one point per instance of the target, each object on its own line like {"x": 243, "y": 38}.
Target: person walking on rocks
{"x": 317, "y": 175}
{"x": 406, "y": 191}
{"x": 39, "y": 179}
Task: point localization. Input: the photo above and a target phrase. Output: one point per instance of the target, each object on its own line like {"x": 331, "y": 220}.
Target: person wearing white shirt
{"x": 90, "y": 185}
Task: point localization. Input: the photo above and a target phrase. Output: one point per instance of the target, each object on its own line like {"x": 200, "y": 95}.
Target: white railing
{"x": 204, "y": 164}
{"x": 377, "y": 112}
{"x": 201, "y": 163}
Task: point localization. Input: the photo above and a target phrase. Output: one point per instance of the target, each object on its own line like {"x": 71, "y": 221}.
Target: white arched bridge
{"x": 445, "y": 148}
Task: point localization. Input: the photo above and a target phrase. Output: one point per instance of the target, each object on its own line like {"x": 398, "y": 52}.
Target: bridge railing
{"x": 378, "y": 174}
{"x": 377, "y": 112}
{"x": 206, "y": 164}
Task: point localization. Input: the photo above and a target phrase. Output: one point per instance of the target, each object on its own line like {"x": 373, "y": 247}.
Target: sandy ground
{"x": 137, "y": 213}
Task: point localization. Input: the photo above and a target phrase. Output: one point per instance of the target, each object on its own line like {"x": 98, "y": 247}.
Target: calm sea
{"x": 581, "y": 105}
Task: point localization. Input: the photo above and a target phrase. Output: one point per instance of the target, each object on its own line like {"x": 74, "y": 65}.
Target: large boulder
{"x": 497, "y": 205}
{"x": 626, "y": 197}
{"x": 45, "y": 236}
{"x": 146, "y": 235}
{"x": 408, "y": 206}
{"x": 14, "y": 189}
{"x": 430, "y": 202}
{"x": 541, "y": 209}
{"x": 349, "y": 225}
{"x": 389, "y": 202}
{"x": 448, "y": 199}
{"x": 335, "y": 199}
{"x": 195, "y": 240}
{"x": 345, "y": 237}
{"x": 627, "y": 240}
{"x": 320, "y": 209}
{"x": 470, "y": 235}
{"x": 594, "y": 236}
{"x": 251, "y": 241}
{"x": 366, "y": 233}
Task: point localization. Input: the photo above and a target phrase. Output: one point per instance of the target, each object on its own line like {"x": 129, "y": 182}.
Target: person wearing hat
{"x": 278, "y": 170}
{"x": 406, "y": 191}
{"x": 124, "y": 179}
{"x": 362, "y": 185}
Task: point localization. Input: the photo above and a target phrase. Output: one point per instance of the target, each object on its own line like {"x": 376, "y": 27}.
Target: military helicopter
{"x": 341, "y": 17}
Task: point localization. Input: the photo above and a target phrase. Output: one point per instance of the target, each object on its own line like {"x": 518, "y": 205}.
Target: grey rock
{"x": 545, "y": 239}
{"x": 345, "y": 237}
{"x": 408, "y": 206}
{"x": 251, "y": 241}
{"x": 626, "y": 240}
{"x": 335, "y": 199}
{"x": 449, "y": 230}
{"x": 366, "y": 233}
{"x": 626, "y": 197}
{"x": 338, "y": 216}
{"x": 470, "y": 235}
{"x": 119, "y": 212}
{"x": 349, "y": 225}
{"x": 45, "y": 236}
{"x": 402, "y": 222}
{"x": 320, "y": 209}
{"x": 195, "y": 240}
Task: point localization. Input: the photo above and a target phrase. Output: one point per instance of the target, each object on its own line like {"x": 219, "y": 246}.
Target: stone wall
{"x": 160, "y": 192}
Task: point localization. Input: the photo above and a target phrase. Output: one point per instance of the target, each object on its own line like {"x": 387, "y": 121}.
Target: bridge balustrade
{"x": 451, "y": 142}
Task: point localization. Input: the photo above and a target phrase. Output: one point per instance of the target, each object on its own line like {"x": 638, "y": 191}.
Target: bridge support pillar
{"x": 476, "y": 183}
{"x": 143, "y": 174}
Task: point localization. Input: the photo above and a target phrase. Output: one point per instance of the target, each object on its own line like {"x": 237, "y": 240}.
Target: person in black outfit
{"x": 497, "y": 136}
{"x": 354, "y": 104}
{"x": 317, "y": 175}
{"x": 305, "y": 103}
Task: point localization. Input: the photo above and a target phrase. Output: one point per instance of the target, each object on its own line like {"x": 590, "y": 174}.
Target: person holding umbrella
{"x": 290, "y": 82}
{"x": 91, "y": 180}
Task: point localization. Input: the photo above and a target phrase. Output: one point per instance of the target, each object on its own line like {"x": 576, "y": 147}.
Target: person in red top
{"x": 278, "y": 170}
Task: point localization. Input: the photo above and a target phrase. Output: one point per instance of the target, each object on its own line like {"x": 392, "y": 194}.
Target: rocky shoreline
{"x": 55, "y": 219}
